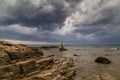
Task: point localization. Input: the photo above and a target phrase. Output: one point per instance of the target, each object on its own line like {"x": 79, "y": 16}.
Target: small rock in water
{"x": 76, "y": 55}
{"x": 102, "y": 60}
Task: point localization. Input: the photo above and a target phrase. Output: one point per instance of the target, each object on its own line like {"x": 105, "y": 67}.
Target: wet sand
{"x": 87, "y": 69}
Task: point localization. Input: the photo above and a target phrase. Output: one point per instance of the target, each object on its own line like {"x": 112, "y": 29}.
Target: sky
{"x": 60, "y": 21}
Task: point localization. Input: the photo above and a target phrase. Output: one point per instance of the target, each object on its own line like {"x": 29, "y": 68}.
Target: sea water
{"x": 87, "y": 68}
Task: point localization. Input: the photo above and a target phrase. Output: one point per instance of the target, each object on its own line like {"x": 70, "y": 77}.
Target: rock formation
{"x": 62, "y": 48}
{"x": 62, "y": 70}
{"x": 102, "y": 60}
{"x": 20, "y": 62}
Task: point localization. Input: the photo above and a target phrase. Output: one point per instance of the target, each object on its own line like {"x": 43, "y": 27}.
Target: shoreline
{"x": 87, "y": 69}
{"x": 81, "y": 58}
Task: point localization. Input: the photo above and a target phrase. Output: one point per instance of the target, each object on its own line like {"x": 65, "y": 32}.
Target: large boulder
{"x": 102, "y": 60}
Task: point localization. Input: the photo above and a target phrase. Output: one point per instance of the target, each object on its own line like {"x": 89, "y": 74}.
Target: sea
{"x": 87, "y": 68}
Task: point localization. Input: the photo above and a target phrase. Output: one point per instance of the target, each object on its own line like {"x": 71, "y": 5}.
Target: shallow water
{"x": 87, "y": 69}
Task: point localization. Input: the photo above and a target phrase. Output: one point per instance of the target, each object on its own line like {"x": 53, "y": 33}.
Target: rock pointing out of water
{"x": 62, "y": 48}
{"x": 102, "y": 60}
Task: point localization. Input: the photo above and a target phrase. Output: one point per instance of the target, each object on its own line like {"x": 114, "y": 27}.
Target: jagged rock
{"x": 102, "y": 60}
{"x": 37, "y": 52}
{"x": 13, "y": 55}
{"x": 26, "y": 61}
{"x": 42, "y": 63}
{"x": 7, "y": 46}
{"x": 60, "y": 77}
{"x": 9, "y": 70}
{"x": 62, "y": 69}
{"x": 62, "y": 48}
{"x": 37, "y": 78}
{"x": 23, "y": 45}
{"x": 65, "y": 67}
{"x": 19, "y": 51}
{"x": 4, "y": 58}
{"x": 6, "y": 43}
{"x": 27, "y": 66}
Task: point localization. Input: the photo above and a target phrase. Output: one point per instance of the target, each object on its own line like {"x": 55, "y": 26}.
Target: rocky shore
{"x": 20, "y": 62}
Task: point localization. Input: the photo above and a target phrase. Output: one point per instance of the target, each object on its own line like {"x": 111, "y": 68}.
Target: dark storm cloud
{"x": 46, "y": 14}
{"x": 71, "y": 21}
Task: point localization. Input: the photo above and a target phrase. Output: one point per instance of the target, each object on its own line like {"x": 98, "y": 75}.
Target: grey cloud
{"x": 26, "y": 13}
{"x": 88, "y": 21}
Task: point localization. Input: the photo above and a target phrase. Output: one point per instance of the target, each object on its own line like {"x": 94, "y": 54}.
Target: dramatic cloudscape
{"x": 56, "y": 21}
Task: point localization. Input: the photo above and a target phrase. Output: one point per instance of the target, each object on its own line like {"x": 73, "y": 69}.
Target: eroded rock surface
{"x": 20, "y": 62}
{"x": 63, "y": 69}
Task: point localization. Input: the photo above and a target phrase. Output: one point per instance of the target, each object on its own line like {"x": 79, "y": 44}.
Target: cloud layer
{"x": 68, "y": 21}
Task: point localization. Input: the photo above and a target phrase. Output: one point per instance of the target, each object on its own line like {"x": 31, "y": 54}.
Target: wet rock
{"x": 102, "y": 60}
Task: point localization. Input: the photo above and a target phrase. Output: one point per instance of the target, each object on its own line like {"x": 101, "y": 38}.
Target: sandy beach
{"x": 87, "y": 68}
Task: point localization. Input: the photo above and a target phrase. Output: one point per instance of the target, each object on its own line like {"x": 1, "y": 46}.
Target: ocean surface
{"x": 87, "y": 68}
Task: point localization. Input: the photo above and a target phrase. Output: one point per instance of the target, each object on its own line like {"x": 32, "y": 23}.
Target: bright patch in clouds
{"x": 30, "y": 42}
{"x": 69, "y": 23}
{"x": 61, "y": 20}
{"x": 20, "y": 29}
